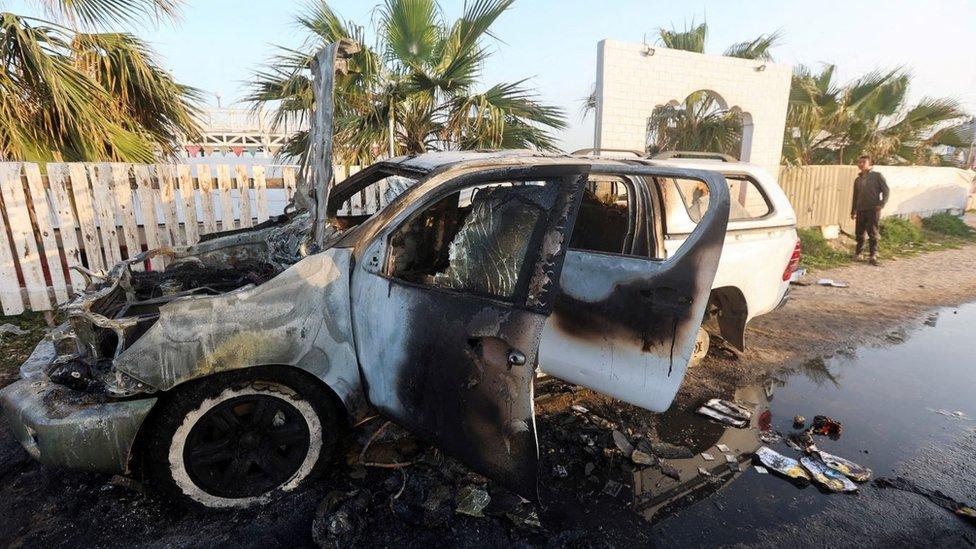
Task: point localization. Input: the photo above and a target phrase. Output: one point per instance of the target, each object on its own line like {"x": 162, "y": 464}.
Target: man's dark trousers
{"x": 867, "y": 222}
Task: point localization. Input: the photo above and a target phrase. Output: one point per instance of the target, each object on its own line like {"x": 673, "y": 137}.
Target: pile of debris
{"x": 831, "y": 473}
{"x": 398, "y": 488}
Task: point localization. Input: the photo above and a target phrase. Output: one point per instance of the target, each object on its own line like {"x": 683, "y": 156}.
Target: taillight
{"x": 794, "y": 262}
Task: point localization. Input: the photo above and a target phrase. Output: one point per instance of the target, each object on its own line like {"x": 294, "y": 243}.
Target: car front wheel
{"x": 242, "y": 443}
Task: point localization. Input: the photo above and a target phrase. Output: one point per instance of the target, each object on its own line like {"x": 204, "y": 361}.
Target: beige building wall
{"x": 632, "y": 79}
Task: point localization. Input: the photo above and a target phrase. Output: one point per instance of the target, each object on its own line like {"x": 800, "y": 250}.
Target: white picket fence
{"x": 55, "y": 216}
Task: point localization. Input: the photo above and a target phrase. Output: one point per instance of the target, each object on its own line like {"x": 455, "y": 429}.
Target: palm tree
{"x": 832, "y": 124}
{"x": 415, "y": 90}
{"x": 694, "y": 37}
{"x": 699, "y": 123}
{"x": 73, "y": 91}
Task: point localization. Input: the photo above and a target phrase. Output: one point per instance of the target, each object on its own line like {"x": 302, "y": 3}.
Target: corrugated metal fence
{"x": 95, "y": 215}
{"x": 821, "y": 195}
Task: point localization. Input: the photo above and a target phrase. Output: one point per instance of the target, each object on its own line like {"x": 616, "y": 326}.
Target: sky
{"x": 218, "y": 44}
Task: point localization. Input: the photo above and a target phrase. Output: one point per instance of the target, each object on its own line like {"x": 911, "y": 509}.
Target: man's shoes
{"x": 856, "y": 257}
{"x": 874, "y": 261}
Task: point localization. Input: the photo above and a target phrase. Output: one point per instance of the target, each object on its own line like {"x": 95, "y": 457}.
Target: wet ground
{"x": 906, "y": 407}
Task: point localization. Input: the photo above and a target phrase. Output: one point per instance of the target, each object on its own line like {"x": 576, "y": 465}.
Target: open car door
{"x": 625, "y": 325}
{"x": 449, "y": 302}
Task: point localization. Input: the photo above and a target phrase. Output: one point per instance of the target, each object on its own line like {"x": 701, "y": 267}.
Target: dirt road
{"x": 416, "y": 506}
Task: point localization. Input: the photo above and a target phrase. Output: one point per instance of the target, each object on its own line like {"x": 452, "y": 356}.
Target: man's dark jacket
{"x": 870, "y": 192}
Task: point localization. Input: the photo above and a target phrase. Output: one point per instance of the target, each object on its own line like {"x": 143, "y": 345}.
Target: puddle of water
{"x": 893, "y": 401}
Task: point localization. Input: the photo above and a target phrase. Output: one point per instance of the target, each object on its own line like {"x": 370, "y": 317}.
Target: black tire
{"x": 240, "y": 439}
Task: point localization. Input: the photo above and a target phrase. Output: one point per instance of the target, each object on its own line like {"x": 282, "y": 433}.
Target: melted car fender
{"x": 299, "y": 318}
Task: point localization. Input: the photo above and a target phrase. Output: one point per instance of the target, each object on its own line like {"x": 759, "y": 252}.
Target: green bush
{"x": 812, "y": 242}
{"x": 948, "y": 224}
{"x": 817, "y": 252}
{"x": 897, "y": 232}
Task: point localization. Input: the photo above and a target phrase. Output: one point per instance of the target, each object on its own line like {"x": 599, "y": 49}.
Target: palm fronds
{"x": 73, "y": 96}
{"x": 692, "y": 38}
{"x": 418, "y": 81}
{"x": 830, "y": 124}
{"x": 99, "y": 13}
{"x": 758, "y": 48}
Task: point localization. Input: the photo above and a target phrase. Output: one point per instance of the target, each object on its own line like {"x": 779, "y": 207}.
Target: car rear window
{"x": 747, "y": 199}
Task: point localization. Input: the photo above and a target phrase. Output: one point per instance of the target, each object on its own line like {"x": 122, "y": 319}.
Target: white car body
{"x": 757, "y": 250}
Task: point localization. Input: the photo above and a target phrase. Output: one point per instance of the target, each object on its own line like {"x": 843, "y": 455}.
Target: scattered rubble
{"x": 623, "y": 443}
{"x": 800, "y": 441}
{"x": 846, "y": 467}
{"x": 670, "y": 470}
{"x": 832, "y": 283}
{"x": 472, "y": 500}
{"x": 665, "y": 450}
{"x": 12, "y": 329}
{"x": 823, "y": 425}
{"x": 726, "y": 412}
{"x": 612, "y": 488}
{"x": 338, "y": 521}
{"x": 642, "y": 458}
{"x": 827, "y": 477}
{"x": 783, "y": 465}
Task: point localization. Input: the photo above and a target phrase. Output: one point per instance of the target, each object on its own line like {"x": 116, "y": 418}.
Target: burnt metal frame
{"x": 363, "y": 179}
{"x": 560, "y": 174}
{"x": 715, "y": 181}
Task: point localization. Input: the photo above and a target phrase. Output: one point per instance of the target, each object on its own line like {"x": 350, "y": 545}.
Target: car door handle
{"x": 516, "y": 358}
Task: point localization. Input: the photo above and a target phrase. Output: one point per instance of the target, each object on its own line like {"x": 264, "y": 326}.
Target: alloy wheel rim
{"x": 246, "y": 446}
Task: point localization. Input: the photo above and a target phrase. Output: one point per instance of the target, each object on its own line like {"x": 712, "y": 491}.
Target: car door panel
{"x": 458, "y": 369}
{"x": 626, "y": 326}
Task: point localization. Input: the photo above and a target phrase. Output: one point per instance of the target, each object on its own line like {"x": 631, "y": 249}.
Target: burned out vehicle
{"x": 227, "y": 377}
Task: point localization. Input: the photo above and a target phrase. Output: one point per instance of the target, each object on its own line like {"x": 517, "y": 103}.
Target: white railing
{"x": 95, "y": 215}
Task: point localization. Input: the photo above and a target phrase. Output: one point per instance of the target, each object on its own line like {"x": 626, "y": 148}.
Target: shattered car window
{"x": 475, "y": 240}
{"x": 748, "y": 201}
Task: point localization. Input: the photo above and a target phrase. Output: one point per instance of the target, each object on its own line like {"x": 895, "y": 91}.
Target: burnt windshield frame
{"x": 364, "y": 178}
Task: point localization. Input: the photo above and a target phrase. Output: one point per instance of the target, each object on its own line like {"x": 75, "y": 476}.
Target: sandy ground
{"x": 819, "y": 321}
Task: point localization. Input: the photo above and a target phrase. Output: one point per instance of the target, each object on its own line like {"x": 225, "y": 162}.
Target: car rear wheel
{"x": 240, "y": 442}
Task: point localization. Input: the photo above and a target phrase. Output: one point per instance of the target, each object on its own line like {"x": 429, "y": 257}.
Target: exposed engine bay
{"x": 119, "y": 307}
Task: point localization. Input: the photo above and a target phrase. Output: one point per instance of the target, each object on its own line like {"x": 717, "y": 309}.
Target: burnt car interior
{"x": 472, "y": 240}
{"x": 607, "y": 219}
{"x": 620, "y": 215}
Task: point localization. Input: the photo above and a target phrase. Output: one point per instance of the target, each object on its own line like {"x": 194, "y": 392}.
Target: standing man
{"x": 870, "y": 196}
